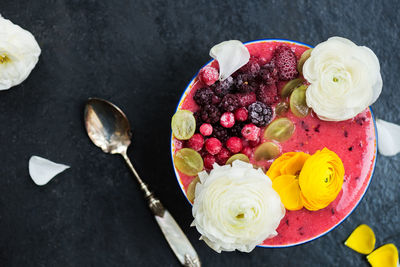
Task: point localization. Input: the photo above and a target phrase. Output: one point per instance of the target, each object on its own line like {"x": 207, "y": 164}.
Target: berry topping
{"x": 251, "y": 132}
{"x": 203, "y": 96}
{"x": 209, "y": 160}
{"x": 223, "y": 88}
{"x": 234, "y": 144}
{"x": 196, "y": 142}
{"x": 197, "y": 117}
{"x": 215, "y": 100}
{"x": 246, "y": 99}
{"x": 206, "y": 129}
{"x": 241, "y": 114}
{"x": 267, "y": 94}
{"x": 255, "y": 143}
{"x": 213, "y": 145}
{"x": 223, "y": 156}
{"x": 208, "y": 75}
{"x": 248, "y": 151}
{"x": 227, "y": 119}
{"x": 269, "y": 73}
{"x": 236, "y": 130}
{"x": 252, "y": 67}
{"x": 220, "y": 133}
{"x": 286, "y": 63}
{"x": 260, "y": 114}
{"x": 210, "y": 114}
{"x": 244, "y": 83}
{"x": 230, "y": 102}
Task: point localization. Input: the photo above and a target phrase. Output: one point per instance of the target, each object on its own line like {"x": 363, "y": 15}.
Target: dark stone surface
{"x": 140, "y": 55}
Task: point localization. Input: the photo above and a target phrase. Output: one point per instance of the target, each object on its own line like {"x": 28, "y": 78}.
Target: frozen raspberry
{"x": 208, "y": 75}
{"x": 223, "y": 156}
{"x": 178, "y": 144}
{"x": 206, "y": 129}
{"x": 248, "y": 151}
{"x": 286, "y": 63}
{"x": 251, "y": 132}
{"x": 234, "y": 144}
{"x": 203, "y": 96}
{"x": 196, "y": 142}
{"x": 255, "y": 143}
{"x": 260, "y": 114}
{"x": 227, "y": 120}
{"x": 267, "y": 94}
{"x": 224, "y": 87}
{"x": 210, "y": 114}
{"x": 208, "y": 160}
{"x": 213, "y": 145}
{"x": 220, "y": 133}
{"x": 229, "y": 103}
{"x": 247, "y": 99}
{"x": 241, "y": 114}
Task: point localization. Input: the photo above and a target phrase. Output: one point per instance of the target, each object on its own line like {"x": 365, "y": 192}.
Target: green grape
{"x": 239, "y": 156}
{"x": 188, "y": 161}
{"x": 281, "y": 108}
{"x": 267, "y": 151}
{"x": 298, "y": 104}
{"x": 190, "y": 193}
{"x": 306, "y": 54}
{"x": 290, "y": 86}
{"x": 279, "y": 130}
{"x": 183, "y": 124}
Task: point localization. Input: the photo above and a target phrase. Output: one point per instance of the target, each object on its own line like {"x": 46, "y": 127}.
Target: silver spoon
{"x": 108, "y": 128}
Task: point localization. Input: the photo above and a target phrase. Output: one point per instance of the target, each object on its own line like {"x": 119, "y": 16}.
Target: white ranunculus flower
{"x": 344, "y": 79}
{"x": 235, "y": 207}
{"x": 19, "y": 53}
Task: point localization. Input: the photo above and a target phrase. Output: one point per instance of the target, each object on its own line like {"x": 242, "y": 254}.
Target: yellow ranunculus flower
{"x": 321, "y": 179}
{"x": 284, "y": 173}
{"x": 307, "y": 181}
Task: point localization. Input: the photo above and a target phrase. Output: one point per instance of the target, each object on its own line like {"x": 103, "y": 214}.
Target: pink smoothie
{"x": 353, "y": 140}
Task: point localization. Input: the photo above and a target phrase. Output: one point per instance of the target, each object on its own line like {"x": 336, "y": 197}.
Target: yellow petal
{"x": 385, "y": 256}
{"x": 295, "y": 163}
{"x": 362, "y": 239}
{"x": 275, "y": 168}
{"x": 287, "y": 186}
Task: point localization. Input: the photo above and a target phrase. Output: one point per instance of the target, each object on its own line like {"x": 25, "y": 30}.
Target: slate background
{"x": 140, "y": 55}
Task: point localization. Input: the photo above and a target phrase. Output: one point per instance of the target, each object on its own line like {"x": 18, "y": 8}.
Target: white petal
{"x": 43, "y": 170}
{"x": 388, "y": 137}
{"x": 231, "y": 56}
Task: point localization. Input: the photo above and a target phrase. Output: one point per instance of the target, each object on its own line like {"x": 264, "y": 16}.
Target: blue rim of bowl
{"x": 337, "y": 224}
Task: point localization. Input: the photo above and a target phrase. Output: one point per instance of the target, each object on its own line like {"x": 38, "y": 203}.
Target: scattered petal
{"x": 388, "y": 138}
{"x": 43, "y": 170}
{"x": 385, "y": 256}
{"x": 231, "y": 56}
{"x": 362, "y": 239}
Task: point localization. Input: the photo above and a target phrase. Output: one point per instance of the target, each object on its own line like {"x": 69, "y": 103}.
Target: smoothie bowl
{"x": 259, "y": 115}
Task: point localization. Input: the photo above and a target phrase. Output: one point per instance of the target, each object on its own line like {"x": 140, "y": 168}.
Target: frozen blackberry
{"x": 224, "y": 87}
{"x": 199, "y": 121}
{"x": 245, "y": 83}
{"x": 260, "y": 114}
{"x": 267, "y": 94}
{"x": 252, "y": 67}
{"x": 230, "y": 103}
{"x": 210, "y": 114}
{"x": 269, "y": 73}
{"x": 203, "y": 96}
{"x": 236, "y": 130}
{"x": 220, "y": 133}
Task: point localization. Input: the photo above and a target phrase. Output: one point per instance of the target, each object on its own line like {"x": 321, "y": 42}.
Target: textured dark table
{"x": 141, "y": 55}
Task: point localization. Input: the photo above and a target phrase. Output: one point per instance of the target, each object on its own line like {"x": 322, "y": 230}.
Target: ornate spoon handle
{"x": 174, "y": 235}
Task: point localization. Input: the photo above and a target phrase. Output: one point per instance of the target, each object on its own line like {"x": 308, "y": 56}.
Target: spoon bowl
{"x": 107, "y": 126}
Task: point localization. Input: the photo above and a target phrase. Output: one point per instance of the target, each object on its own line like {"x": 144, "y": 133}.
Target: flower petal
{"x": 362, "y": 239}
{"x": 384, "y": 256}
{"x": 43, "y": 170}
{"x": 231, "y": 56}
{"x": 388, "y": 137}
{"x": 288, "y": 189}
